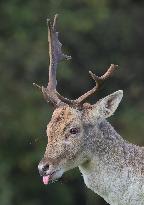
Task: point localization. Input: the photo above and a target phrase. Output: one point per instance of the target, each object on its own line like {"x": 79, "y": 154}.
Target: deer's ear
{"x": 107, "y": 106}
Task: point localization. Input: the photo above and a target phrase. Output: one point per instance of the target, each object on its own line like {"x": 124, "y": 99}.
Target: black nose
{"x": 43, "y": 168}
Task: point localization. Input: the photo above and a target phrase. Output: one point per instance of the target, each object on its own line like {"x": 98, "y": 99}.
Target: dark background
{"x": 95, "y": 33}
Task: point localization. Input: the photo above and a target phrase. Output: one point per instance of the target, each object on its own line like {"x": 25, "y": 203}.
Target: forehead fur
{"x": 63, "y": 116}
{"x": 65, "y": 113}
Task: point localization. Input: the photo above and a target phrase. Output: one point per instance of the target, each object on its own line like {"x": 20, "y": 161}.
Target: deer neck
{"x": 109, "y": 171}
{"x": 103, "y": 146}
{"x": 103, "y": 142}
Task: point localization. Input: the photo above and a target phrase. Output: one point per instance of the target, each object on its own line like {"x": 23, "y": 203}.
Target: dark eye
{"x": 74, "y": 130}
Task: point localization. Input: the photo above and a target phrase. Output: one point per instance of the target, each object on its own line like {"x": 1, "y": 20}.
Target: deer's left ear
{"x": 107, "y": 106}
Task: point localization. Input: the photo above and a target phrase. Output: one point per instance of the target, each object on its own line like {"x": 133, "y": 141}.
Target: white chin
{"x": 57, "y": 174}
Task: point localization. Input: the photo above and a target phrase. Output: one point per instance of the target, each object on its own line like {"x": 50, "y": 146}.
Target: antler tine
{"x": 99, "y": 81}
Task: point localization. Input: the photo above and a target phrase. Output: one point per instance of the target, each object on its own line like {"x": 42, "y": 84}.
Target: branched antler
{"x": 99, "y": 81}
{"x": 56, "y": 55}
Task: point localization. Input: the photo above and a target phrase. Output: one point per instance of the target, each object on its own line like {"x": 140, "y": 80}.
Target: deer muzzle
{"x": 48, "y": 173}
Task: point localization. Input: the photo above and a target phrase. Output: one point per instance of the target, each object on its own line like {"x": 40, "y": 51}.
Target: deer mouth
{"x": 48, "y": 178}
{"x": 52, "y": 176}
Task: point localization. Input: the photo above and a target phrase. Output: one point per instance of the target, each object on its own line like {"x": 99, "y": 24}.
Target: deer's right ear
{"x": 106, "y": 107}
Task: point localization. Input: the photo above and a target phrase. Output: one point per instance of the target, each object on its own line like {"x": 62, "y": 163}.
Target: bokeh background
{"x": 95, "y": 33}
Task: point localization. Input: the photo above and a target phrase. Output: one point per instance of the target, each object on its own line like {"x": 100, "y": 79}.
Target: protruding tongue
{"x": 46, "y": 179}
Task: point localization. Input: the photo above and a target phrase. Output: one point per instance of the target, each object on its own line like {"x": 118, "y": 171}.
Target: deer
{"x": 79, "y": 135}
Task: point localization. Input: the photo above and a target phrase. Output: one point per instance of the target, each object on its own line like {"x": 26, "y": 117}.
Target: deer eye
{"x": 74, "y": 130}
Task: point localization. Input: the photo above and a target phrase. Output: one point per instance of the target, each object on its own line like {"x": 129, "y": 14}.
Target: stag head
{"x": 72, "y": 120}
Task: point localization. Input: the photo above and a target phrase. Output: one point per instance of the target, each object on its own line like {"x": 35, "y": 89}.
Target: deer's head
{"x": 72, "y": 120}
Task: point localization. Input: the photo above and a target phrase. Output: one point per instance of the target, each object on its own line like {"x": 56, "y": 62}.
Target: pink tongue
{"x": 46, "y": 179}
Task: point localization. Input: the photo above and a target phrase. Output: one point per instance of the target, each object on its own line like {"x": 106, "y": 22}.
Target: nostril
{"x": 45, "y": 167}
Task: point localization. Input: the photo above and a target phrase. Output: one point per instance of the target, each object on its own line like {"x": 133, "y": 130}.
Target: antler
{"x": 99, "y": 81}
{"x": 56, "y": 55}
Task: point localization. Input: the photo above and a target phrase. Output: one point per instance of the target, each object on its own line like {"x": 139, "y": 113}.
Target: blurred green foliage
{"x": 96, "y": 34}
